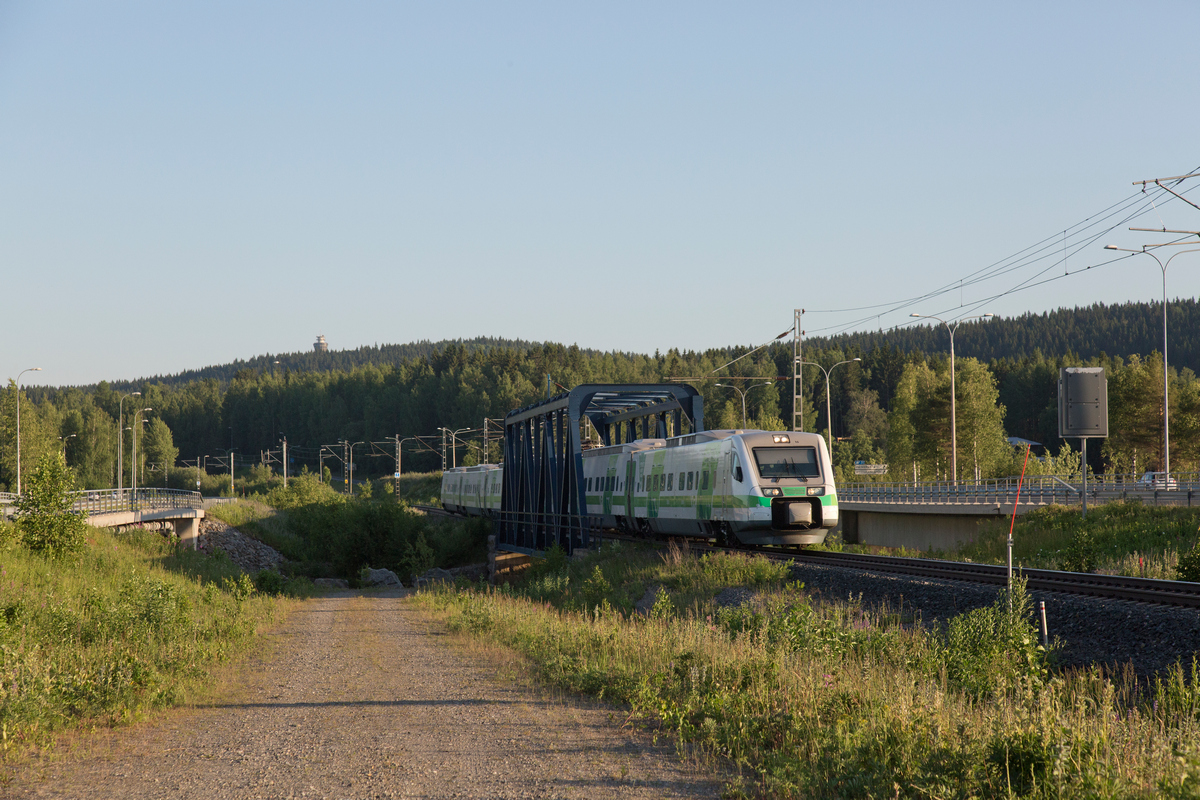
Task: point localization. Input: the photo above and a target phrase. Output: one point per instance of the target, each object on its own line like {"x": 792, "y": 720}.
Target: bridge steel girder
{"x": 542, "y": 500}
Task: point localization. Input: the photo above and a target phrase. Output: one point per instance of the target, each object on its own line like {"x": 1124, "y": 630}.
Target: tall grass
{"x": 1116, "y": 538}
{"x": 128, "y": 624}
{"x": 837, "y": 700}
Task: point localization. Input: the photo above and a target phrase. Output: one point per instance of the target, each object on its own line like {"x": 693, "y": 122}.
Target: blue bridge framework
{"x": 542, "y": 500}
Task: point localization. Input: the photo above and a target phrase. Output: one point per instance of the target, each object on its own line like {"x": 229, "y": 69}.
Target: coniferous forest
{"x": 892, "y": 407}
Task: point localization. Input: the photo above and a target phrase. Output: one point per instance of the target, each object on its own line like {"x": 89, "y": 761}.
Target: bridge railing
{"x": 1181, "y": 489}
{"x": 110, "y": 501}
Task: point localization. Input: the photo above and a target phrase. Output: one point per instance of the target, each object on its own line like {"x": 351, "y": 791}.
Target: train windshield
{"x": 787, "y": 462}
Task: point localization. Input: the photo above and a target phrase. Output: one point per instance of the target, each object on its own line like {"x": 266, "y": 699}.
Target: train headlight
{"x": 816, "y": 491}
{"x": 771, "y": 491}
{"x": 781, "y": 439}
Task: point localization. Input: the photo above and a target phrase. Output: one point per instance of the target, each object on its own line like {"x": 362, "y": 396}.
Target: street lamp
{"x": 18, "y": 388}
{"x": 828, "y": 406}
{"x": 64, "y": 440}
{"x": 743, "y": 394}
{"x": 453, "y": 447}
{"x": 953, "y": 404}
{"x": 133, "y": 466}
{"x": 121, "y": 440}
{"x": 1163, "y": 267}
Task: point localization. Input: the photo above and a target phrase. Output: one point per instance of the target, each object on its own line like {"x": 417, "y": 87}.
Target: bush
{"x": 353, "y": 535}
{"x": 47, "y": 524}
{"x": 1189, "y": 565}
{"x": 303, "y": 490}
{"x": 990, "y": 651}
{"x": 269, "y": 581}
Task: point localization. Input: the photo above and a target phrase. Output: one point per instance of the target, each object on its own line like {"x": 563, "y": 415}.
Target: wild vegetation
{"x": 808, "y": 699}
{"x": 110, "y": 627}
{"x": 1115, "y": 539}
{"x": 324, "y": 533}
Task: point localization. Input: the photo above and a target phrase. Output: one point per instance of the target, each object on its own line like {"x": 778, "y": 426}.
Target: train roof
{"x": 635, "y": 446}
{"x": 476, "y": 468}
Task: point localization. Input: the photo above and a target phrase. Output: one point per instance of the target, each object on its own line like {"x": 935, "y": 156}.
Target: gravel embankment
{"x": 248, "y": 553}
{"x": 1089, "y": 630}
{"x": 361, "y": 697}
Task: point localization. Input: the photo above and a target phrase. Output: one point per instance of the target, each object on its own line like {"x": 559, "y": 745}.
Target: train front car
{"x": 781, "y": 489}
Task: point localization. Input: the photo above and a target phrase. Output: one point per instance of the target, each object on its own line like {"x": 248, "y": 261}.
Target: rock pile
{"x": 249, "y": 554}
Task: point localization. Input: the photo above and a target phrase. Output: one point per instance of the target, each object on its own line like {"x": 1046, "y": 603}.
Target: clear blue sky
{"x": 184, "y": 184}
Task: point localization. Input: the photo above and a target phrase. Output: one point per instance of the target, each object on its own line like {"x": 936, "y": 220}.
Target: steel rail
{"x": 1113, "y": 587}
{"x": 1118, "y": 587}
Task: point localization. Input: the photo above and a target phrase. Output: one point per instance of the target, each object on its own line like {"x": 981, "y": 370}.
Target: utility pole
{"x": 397, "y": 437}
{"x": 285, "y": 462}
{"x": 797, "y": 386}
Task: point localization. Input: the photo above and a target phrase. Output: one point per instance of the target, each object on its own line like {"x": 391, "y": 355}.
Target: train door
{"x": 630, "y": 485}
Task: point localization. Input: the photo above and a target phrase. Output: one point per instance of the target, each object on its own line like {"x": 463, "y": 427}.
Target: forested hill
{"x": 333, "y": 360}
{"x": 1114, "y": 330}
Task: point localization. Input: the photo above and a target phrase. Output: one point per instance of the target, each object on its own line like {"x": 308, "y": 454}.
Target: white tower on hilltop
{"x": 320, "y": 345}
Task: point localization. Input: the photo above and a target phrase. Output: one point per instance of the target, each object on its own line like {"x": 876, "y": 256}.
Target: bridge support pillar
{"x": 188, "y": 531}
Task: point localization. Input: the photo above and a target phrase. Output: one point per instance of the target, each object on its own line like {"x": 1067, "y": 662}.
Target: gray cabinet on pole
{"x": 1083, "y": 409}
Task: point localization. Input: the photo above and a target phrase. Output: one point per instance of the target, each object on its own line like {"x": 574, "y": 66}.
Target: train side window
{"x": 689, "y": 479}
{"x": 737, "y": 469}
{"x": 704, "y": 483}
{"x": 670, "y": 481}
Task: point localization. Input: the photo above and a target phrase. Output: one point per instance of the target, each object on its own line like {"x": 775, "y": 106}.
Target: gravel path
{"x": 361, "y": 697}
{"x": 1089, "y": 630}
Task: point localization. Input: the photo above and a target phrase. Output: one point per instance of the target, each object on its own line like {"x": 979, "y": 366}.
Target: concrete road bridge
{"x": 942, "y": 514}
{"x": 121, "y": 508}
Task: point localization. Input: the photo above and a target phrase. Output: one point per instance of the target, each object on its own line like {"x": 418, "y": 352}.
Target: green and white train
{"x": 752, "y": 487}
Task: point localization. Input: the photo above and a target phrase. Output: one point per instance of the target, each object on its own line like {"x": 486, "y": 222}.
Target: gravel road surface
{"x": 362, "y": 697}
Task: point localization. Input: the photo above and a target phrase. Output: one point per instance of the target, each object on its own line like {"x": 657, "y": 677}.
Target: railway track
{"x": 1113, "y": 587}
{"x": 1117, "y": 587}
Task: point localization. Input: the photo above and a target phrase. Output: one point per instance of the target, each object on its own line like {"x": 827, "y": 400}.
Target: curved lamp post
{"x": 453, "y": 445}
{"x": 1166, "y": 415}
{"x": 828, "y": 406}
{"x": 121, "y": 440}
{"x": 17, "y": 383}
{"x": 953, "y": 404}
{"x": 743, "y": 394}
{"x": 133, "y": 466}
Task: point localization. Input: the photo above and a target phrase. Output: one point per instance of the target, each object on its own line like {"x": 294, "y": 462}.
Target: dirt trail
{"x": 360, "y": 697}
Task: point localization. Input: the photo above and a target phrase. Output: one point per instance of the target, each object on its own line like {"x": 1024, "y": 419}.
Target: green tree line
{"x": 890, "y": 407}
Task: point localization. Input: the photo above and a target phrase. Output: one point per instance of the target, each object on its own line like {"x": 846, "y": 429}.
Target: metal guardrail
{"x": 110, "y": 501}
{"x": 1037, "y": 490}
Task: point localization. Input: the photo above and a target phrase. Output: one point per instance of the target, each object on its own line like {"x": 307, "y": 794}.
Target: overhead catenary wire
{"x": 1076, "y": 237}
